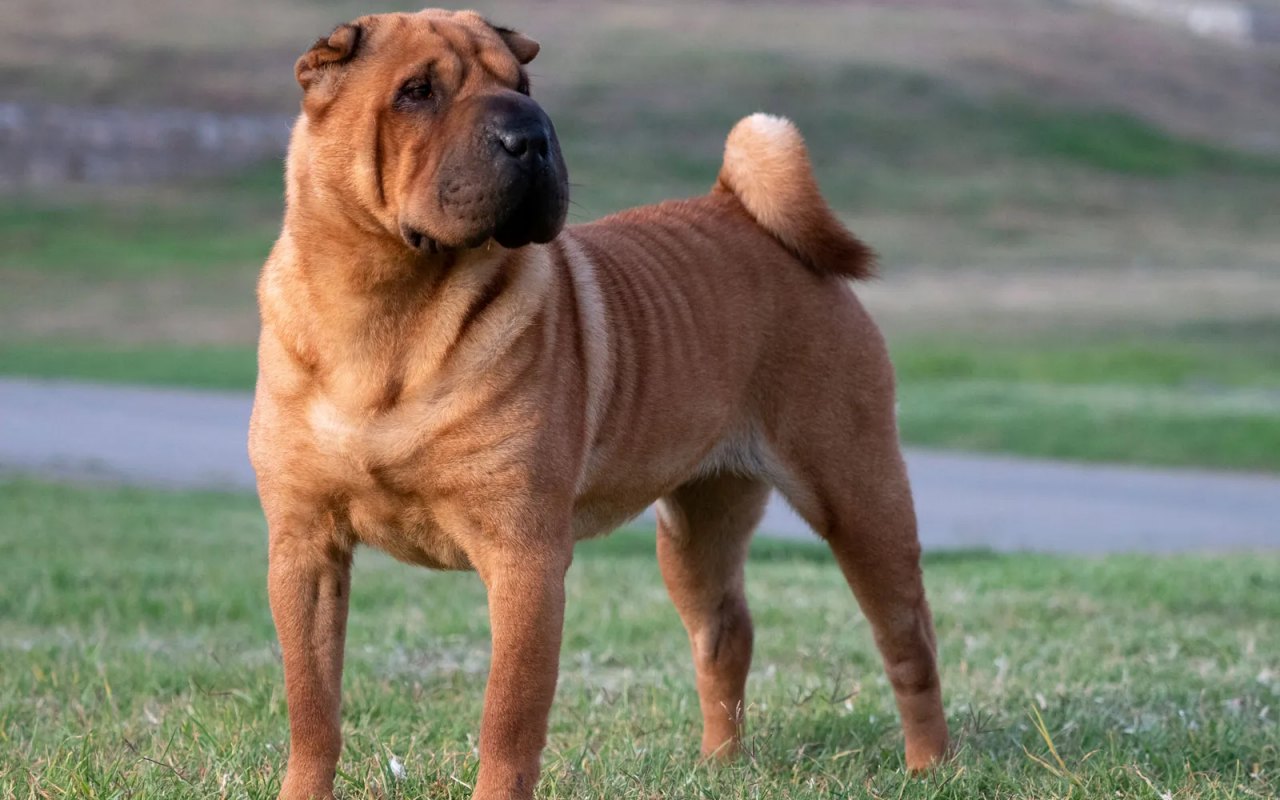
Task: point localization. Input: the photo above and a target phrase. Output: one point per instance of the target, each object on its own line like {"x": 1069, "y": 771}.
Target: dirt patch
{"x": 174, "y": 310}
{"x": 923, "y": 301}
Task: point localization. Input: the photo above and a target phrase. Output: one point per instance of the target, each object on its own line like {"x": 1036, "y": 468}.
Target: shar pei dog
{"x": 450, "y": 374}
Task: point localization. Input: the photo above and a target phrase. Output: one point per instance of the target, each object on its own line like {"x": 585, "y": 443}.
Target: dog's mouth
{"x": 533, "y": 219}
{"x": 421, "y": 242}
{"x": 537, "y": 213}
{"x": 527, "y": 224}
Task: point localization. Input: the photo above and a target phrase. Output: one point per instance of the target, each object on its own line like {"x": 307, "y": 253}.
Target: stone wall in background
{"x": 1240, "y": 23}
{"x": 53, "y": 145}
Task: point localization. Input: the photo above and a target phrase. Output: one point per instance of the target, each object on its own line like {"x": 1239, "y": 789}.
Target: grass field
{"x": 139, "y": 661}
{"x": 1074, "y": 210}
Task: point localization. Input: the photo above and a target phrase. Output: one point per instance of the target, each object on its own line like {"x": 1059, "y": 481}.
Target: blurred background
{"x": 1077, "y": 204}
{"x": 1077, "y": 207}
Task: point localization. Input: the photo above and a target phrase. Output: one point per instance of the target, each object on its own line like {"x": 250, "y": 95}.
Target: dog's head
{"x": 423, "y": 122}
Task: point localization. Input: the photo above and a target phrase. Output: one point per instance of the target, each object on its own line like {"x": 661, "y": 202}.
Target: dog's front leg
{"x": 526, "y": 614}
{"x": 309, "y": 583}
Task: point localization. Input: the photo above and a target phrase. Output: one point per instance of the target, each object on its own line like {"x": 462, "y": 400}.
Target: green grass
{"x": 1120, "y": 143}
{"x": 1232, "y": 430}
{"x": 232, "y": 367}
{"x": 1179, "y": 399}
{"x": 137, "y": 233}
{"x": 138, "y": 660}
{"x": 1230, "y": 357}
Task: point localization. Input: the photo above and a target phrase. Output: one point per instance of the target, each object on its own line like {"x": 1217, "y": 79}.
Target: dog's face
{"x": 425, "y": 124}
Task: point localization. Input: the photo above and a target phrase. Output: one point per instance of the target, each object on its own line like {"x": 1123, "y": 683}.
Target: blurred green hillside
{"x": 1048, "y": 184}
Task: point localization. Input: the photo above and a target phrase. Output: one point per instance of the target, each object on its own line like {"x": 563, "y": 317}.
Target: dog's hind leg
{"x": 704, "y": 528}
{"x": 844, "y": 473}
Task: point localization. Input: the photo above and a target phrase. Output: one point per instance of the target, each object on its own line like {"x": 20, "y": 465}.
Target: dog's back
{"x": 724, "y": 307}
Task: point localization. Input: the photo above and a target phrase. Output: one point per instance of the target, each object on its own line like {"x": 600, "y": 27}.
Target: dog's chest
{"x": 408, "y": 479}
{"x": 377, "y": 464}
{"x": 362, "y": 439}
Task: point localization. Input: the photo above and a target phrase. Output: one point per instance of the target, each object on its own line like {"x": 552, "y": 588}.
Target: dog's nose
{"x": 523, "y": 140}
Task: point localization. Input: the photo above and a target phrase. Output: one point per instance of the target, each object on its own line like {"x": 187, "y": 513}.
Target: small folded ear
{"x": 329, "y": 51}
{"x": 521, "y": 46}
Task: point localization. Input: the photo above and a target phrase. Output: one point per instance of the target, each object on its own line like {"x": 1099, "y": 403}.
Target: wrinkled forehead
{"x": 455, "y": 45}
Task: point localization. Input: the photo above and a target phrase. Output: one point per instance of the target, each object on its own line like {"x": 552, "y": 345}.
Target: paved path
{"x": 178, "y": 438}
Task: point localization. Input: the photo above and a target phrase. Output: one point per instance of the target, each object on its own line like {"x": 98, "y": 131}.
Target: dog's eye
{"x": 415, "y": 91}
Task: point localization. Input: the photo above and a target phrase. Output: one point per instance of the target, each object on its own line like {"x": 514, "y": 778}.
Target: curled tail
{"x": 767, "y": 168}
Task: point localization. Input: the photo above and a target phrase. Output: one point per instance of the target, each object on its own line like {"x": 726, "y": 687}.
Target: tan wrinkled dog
{"x": 449, "y": 375}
